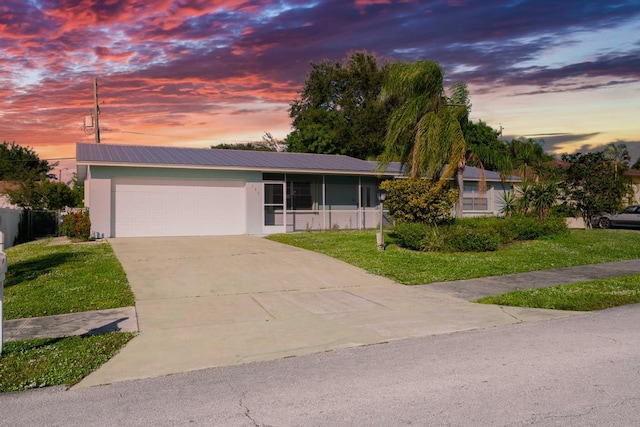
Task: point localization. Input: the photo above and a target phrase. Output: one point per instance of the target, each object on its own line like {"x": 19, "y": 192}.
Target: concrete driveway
{"x": 215, "y": 301}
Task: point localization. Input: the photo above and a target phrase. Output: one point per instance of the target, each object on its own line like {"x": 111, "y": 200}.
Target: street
{"x": 581, "y": 370}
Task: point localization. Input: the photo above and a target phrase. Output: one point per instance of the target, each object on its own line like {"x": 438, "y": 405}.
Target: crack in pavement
{"x": 511, "y": 315}
{"x": 247, "y": 412}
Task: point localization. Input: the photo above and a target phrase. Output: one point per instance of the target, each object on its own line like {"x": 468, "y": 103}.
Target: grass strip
{"x": 583, "y": 296}
{"x": 55, "y": 361}
{"x": 578, "y": 247}
{"x": 45, "y": 280}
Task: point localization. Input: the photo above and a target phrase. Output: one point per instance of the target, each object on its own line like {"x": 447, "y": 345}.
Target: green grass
{"x": 45, "y": 280}
{"x": 54, "y": 361}
{"x": 586, "y": 296}
{"x": 579, "y": 247}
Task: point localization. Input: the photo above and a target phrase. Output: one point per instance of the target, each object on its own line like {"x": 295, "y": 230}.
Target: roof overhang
{"x": 84, "y": 165}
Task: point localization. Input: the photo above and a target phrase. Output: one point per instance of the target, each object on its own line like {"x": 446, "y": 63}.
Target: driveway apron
{"x": 215, "y": 301}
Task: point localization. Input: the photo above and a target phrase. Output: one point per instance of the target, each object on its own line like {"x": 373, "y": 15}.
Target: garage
{"x": 178, "y": 207}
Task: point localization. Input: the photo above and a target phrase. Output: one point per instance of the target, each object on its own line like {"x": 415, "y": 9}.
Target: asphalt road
{"x": 582, "y": 370}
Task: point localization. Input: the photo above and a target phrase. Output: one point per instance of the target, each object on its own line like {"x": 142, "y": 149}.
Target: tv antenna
{"x": 93, "y": 127}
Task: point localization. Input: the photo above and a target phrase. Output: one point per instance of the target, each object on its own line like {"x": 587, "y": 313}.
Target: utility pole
{"x": 96, "y": 109}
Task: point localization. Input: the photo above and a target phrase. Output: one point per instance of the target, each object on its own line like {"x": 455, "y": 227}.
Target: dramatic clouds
{"x": 199, "y": 72}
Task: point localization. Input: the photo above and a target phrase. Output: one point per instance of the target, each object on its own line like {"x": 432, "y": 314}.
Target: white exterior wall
{"x": 254, "y": 206}
{"x": 98, "y": 200}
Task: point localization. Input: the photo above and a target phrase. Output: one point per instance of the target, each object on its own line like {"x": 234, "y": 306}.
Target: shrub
{"x": 489, "y": 225}
{"x": 529, "y": 228}
{"x": 434, "y": 239}
{"x": 76, "y": 225}
{"x": 419, "y": 200}
{"x": 410, "y": 235}
{"x": 472, "y": 240}
{"x": 476, "y": 234}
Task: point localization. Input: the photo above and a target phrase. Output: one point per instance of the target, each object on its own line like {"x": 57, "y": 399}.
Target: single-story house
{"x": 136, "y": 191}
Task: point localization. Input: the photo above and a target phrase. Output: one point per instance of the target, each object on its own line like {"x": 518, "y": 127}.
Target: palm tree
{"x": 528, "y": 158}
{"x": 619, "y": 156}
{"x": 423, "y": 133}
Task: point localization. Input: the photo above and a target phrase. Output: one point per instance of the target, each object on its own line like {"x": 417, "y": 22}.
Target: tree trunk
{"x": 460, "y": 183}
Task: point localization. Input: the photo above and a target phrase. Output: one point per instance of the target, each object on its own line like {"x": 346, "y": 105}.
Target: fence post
{"x": 3, "y": 270}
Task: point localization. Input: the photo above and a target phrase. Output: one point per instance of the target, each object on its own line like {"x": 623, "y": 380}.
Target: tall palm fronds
{"x": 618, "y": 154}
{"x": 528, "y": 158}
{"x": 423, "y": 133}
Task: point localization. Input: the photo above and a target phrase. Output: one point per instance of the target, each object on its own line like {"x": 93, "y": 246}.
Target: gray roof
{"x": 104, "y": 154}
{"x": 470, "y": 173}
{"x": 140, "y": 155}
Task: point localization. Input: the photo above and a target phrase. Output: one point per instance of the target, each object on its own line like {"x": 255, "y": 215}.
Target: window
{"x": 369, "y": 196}
{"x": 475, "y": 204}
{"x": 300, "y": 195}
{"x": 473, "y": 199}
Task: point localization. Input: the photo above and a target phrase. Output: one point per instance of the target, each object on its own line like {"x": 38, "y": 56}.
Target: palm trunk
{"x": 460, "y": 183}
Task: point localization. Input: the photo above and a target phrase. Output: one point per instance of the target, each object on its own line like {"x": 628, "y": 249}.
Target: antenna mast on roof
{"x": 94, "y": 126}
{"x": 96, "y": 108}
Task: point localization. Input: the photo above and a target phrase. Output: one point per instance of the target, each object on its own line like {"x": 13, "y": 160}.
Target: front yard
{"x": 579, "y": 247}
{"x": 44, "y": 280}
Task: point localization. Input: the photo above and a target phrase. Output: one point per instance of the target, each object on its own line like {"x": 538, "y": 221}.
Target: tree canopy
{"x": 43, "y": 195}
{"x": 18, "y": 164}
{"x": 591, "y": 185}
{"x": 338, "y": 110}
{"x": 268, "y": 143}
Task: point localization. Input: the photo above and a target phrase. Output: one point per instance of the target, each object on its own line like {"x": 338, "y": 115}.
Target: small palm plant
{"x": 544, "y": 197}
{"x": 524, "y": 198}
{"x": 509, "y": 204}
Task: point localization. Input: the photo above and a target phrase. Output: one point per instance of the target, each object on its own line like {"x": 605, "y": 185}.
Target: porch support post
{"x": 324, "y": 204}
{"x": 360, "y": 214}
{"x": 284, "y": 204}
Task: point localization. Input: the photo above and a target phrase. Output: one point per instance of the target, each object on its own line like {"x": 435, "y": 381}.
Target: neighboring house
{"x": 163, "y": 191}
{"x": 634, "y": 174}
{"x": 490, "y": 201}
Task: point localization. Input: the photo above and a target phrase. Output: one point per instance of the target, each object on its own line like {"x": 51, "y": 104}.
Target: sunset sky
{"x": 196, "y": 73}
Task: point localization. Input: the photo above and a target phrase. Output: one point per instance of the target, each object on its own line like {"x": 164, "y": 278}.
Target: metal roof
{"x": 108, "y": 154}
{"x": 141, "y": 155}
{"x": 470, "y": 173}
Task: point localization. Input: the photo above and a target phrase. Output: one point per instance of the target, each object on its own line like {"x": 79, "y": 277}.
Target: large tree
{"x": 423, "y": 133}
{"x": 485, "y": 149}
{"x": 338, "y": 110}
{"x": 20, "y": 164}
{"x": 592, "y": 186}
{"x": 43, "y": 195}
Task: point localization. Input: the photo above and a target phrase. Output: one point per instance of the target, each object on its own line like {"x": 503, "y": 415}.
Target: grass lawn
{"x": 586, "y": 296}
{"x": 579, "y": 247}
{"x": 54, "y": 361}
{"x": 45, "y": 280}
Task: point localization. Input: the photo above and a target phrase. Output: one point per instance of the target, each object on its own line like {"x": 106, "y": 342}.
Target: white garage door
{"x": 150, "y": 207}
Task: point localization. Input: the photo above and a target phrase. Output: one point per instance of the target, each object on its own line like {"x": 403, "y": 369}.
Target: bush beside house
{"x": 76, "y": 225}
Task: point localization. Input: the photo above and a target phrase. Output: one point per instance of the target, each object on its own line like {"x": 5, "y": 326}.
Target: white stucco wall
{"x": 98, "y": 200}
{"x": 254, "y": 207}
